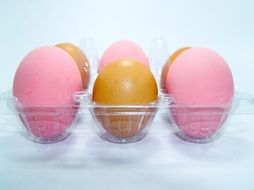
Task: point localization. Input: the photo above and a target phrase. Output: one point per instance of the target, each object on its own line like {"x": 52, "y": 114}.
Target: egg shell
{"x": 46, "y": 79}
{"x": 120, "y": 83}
{"x": 125, "y": 82}
{"x": 168, "y": 63}
{"x": 80, "y": 59}
{"x": 123, "y": 49}
{"x": 199, "y": 77}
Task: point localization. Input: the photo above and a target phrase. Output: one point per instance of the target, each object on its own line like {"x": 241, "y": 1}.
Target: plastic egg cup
{"x": 198, "y": 124}
{"x": 124, "y": 123}
{"x": 48, "y": 125}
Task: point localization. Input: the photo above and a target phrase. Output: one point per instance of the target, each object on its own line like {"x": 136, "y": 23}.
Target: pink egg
{"x": 123, "y": 49}
{"x": 202, "y": 88}
{"x": 44, "y": 84}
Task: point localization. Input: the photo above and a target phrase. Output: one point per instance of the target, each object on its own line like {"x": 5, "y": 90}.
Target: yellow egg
{"x": 168, "y": 63}
{"x": 80, "y": 59}
{"x": 125, "y": 82}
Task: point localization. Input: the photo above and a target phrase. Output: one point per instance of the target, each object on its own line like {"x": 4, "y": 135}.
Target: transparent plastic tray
{"x": 125, "y": 123}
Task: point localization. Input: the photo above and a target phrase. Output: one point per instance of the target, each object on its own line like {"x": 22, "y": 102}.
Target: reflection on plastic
{"x": 48, "y": 124}
{"x": 123, "y": 124}
{"x": 197, "y": 124}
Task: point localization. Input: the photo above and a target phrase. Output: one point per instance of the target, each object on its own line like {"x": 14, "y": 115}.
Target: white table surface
{"x": 161, "y": 160}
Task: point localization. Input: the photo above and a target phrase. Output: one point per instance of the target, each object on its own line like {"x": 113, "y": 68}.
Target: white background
{"x": 160, "y": 161}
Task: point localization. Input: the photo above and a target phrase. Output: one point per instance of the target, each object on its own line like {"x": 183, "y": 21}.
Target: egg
{"x": 44, "y": 84}
{"x": 168, "y": 63}
{"x": 80, "y": 60}
{"x": 202, "y": 88}
{"x": 121, "y": 83}
{"x": 123, "y": 49}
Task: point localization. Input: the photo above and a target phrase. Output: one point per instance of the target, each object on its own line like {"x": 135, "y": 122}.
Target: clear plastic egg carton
{"x": 42, "y": 124}
{"x": 125, "y": 123}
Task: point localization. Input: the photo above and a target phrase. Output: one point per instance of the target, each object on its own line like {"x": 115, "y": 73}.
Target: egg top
{"x": 80, "y": 59}
{"x": 123, "y": 49}
{"x": 47, "y": 76}
{"x": 125, "y": 81}
{"x": 168, "y": 63}
{"x": 199, "y": 76}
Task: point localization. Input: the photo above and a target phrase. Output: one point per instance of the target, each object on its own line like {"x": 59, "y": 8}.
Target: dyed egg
{"x": 44, "y": 84}
{"x": 80, "y": 60}
{"x": 202, "y": 88}
{"x": 168, "y": 63}
{"x": 120, "y": 83}
{"x": 123, "y": 49}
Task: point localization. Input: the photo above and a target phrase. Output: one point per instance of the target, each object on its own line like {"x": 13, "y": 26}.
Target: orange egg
{"x": 168, "y": 63}
{"x": 80, "y": 59}
{"x": 125, "y": 82}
